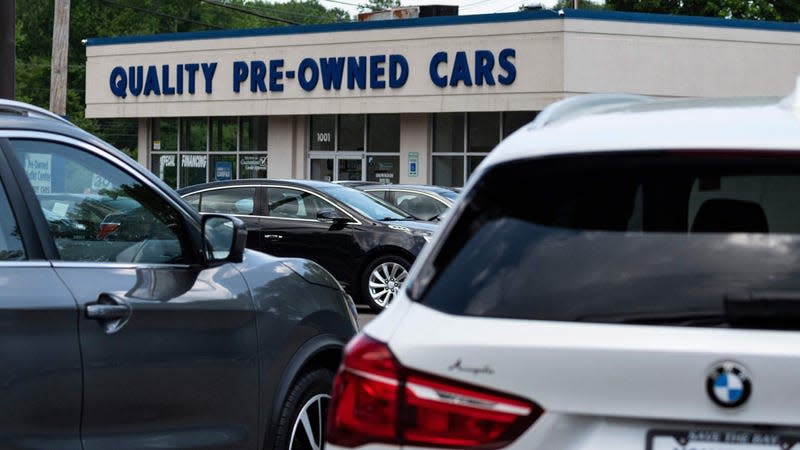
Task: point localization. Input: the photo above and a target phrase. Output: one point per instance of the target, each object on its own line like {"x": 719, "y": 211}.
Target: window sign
{"x": 38, "y": 167}
{"x": 223, "y": 170}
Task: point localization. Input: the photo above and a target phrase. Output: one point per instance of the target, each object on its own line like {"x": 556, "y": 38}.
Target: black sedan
{"x": 367, "y": 244}
{"x": 162, "y": 331}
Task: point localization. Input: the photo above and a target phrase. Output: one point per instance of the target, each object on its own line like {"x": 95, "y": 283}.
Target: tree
{"x": 113, "y": 18}
{"x": 777, "y": 10}
{"x": 582, "y": 4}
{"x": 379, "y": 5}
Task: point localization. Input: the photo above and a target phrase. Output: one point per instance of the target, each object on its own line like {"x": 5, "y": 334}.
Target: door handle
{"x": 112, "y": 311}
{"x": 273, "y": 236}
{"x": 106, "y": 312}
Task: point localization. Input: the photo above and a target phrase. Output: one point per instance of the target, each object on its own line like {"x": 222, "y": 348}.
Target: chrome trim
{"x": 58, "y": 264}
{"x": 437, "y": 395}
{"x": 23, "y": 264}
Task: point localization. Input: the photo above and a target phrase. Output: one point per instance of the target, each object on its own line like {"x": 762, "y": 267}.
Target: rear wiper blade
{"x": 682, "y": 318}
{"x": 768, "y": 309}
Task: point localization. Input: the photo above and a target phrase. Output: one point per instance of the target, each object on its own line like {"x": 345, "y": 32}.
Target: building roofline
{"x": 543, "y": 14}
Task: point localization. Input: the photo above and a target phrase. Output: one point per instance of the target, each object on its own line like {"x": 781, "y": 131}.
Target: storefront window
{"x": 253, "y": 166}
{"x": 383, "y": 168}
{"x": 351, "y": 132}
{"x": 448, "y": 132}
{"x": 223, "y": 134}
{"x": 193, "y": 168}
{"x": 514, "y": 120}
{"x": 165, "y": 135}
{"x": 254, "y": 133}
{"x": 193, "y": 134}
{"x": 383, "y": 133}
{"x": 448, "y": 170}
{"x": 323, "y": 130}
{"x": 453, "y": 161}
{"x": 484, "y": 131}
{"x": 165, "y": 167}
{"x": 222, "y": 167}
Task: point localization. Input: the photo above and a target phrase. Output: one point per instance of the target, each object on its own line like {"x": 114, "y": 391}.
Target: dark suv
{"x": 163, "y": 333}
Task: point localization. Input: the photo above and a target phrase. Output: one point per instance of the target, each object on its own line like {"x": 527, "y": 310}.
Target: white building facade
{"x": 406, "y": 101}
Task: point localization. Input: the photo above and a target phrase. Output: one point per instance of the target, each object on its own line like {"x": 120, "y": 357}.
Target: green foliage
{"x": 582, "y": 4}
{"x": 379, "y": 5}
{"x": 778, "y": 10}
{"x": 113, "y": 18}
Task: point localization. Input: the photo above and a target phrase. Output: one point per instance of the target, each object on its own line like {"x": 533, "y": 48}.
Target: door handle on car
{"x": 112, "y": 311}
{"x": 273, "y": 236}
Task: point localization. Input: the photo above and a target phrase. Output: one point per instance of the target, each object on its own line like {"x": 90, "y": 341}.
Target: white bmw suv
{"x": 622, "y": 273}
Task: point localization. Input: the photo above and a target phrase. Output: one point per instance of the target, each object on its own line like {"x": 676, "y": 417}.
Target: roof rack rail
{"x": 20, "y": 108}
{"x": 584, "y": 104}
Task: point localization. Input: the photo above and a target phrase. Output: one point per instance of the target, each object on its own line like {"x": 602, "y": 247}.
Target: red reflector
{"x": 376, "y": 400}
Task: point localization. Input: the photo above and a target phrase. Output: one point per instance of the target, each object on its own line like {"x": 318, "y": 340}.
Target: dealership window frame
{"x": 342, "y": 145}
{"x": 471, "y": 144}
{"x": 178, "y": 143}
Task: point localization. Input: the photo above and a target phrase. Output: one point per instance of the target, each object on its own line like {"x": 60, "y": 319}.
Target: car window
{"x": 419, "y": 205}
{"x": 657, "y": 240}
{"x": 96, "y": 212}
{"x": 232, "y": 200}
{"x": 11, "y": 248}
{"x": 295, "y": 204}
{"x": 380, "y": 194}
{"x": 366, "y": 204}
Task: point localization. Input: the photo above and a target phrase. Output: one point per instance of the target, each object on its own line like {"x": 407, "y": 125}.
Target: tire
{"x": 382, "y": 280}
{"x": 301, "y": 425}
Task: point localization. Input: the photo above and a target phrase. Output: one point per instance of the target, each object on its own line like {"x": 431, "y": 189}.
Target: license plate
{"x": 719, "y": 440}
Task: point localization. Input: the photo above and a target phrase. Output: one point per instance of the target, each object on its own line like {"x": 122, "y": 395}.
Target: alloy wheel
{"x": 308, "y": 430}
{"x": 385, "y": 282}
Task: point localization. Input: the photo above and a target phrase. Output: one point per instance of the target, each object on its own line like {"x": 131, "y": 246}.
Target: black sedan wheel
{"x": 302, "y": 422}
{"x": 383, "y": 280}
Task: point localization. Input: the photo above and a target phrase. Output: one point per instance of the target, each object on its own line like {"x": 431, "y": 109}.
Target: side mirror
{"x": 333, "y": 215}
{"x": 224, "y": 238}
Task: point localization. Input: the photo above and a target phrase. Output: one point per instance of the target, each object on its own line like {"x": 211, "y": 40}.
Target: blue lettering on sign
{"x": 398, "y": 71}
{"x": 275, "y": 74}
{"x": 356, "y": 72}
{"x": 458, "y": 69}
{"x": 376, "y": 72}
{"x": 483, "y": 68}
{"x": 508, "y": 66}
{"x": 308, "y": 65}
{"x": 332, "y": 70}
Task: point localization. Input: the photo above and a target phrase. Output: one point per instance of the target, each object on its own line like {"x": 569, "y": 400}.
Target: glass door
{"x": 339, "y": 167}
{"x": 350, "y": 167}
{"x": 321, "y": 169}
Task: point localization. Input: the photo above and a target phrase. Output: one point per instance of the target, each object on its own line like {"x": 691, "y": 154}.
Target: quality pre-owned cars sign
{"x": 386, "y": 70}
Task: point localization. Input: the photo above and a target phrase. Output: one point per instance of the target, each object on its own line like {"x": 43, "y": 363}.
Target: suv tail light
{"x": 375, "y": 399}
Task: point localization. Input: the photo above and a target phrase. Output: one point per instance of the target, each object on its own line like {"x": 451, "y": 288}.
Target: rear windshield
{"x": 671, "y": 238}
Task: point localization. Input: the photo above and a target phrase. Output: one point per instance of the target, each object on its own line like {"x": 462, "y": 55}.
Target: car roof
{"x": 313, "y": 184}
{"x": 621, "y": 122}
{"x": 419, "y": 187}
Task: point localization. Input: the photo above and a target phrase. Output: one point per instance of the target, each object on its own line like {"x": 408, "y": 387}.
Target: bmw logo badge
{"x": 728, "y": 385}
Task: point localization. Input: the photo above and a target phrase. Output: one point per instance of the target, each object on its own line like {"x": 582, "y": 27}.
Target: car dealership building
{"x": 419, "y": 100}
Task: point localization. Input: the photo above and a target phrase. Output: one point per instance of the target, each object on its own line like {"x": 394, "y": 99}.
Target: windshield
{"x": 369, "y": 206}
{"x": 448, "y": 194}
{"x": 665, "y": 238}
